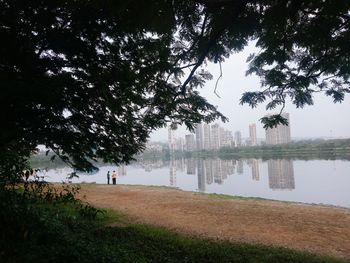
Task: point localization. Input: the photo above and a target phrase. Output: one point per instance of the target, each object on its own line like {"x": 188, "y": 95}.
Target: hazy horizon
{"x": 323, "y": 119}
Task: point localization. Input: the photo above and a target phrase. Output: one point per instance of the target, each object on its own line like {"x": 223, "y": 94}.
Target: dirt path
{"x": 324, "y": 230}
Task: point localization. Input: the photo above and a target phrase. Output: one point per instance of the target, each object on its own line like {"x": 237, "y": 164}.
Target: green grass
{"x": 235, "y": 197}
{"x": 60, "y": 232}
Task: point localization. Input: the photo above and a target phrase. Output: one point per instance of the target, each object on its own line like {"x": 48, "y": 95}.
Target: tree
{"x": 92, "y": 79}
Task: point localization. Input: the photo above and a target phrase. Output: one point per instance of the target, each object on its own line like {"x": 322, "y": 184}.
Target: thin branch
{"x": 216, "y": 84}
{"x": 187, "y": 66}
{"x": 332, "y": 76}
{"x": 283, "y": 105}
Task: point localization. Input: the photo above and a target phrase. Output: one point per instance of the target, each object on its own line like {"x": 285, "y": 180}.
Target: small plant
{"x": 89, "y": 211}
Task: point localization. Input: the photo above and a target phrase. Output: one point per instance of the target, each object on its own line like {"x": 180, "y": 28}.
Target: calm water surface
{"x": 316, "y": 181}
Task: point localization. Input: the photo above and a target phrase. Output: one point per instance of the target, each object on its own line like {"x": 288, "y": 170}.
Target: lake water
{"x": 315, "y": 181}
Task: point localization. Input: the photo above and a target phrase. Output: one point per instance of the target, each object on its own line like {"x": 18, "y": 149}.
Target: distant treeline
{"x": 306, "y": 150}
{"x": 51, "y": 161}
{"x": 317, "y": 149}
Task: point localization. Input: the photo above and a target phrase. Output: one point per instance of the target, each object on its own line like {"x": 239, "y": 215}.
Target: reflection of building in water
{"x": 231, "y": 167}
{"x": 201, "y": 175}
{"x": 224, "y": 169}
{"x": 213, "y": 170}
{"x": 255, "y": 169}
{"x": 149, "y": 165}
{"x": 239, "y": 166}
{"x": 191, "y": 166}
{"x": 217, "y": 168}
{"x": 180, "y": 164}
{"x": 172, "y": 172}
{"x": 209, "y": 171}
{"x": 281, "y": 174}
{"x": 122, "y": 170}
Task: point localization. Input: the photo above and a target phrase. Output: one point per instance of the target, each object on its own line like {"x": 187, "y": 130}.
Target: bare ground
{"x": 319, "y": 229}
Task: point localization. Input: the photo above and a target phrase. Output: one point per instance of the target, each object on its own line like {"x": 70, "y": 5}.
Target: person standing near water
{"x": 114, "y": 177}
{"x": 108, "y": 177}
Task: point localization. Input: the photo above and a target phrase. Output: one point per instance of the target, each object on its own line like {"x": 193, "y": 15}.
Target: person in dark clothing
{"x": 108, "y": 177}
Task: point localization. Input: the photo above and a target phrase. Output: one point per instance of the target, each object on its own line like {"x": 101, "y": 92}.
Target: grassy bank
{"x": 63, "y": 230}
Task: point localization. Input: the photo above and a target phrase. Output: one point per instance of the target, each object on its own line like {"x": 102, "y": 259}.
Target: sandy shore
{"x": 319, "y": 229}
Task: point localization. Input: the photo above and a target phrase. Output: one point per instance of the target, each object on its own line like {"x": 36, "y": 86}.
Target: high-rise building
{"x": 226, "y": 138}
{"x": 238, "y": 138}
{"x": 252, "y": 134}
{"x": 215, "y": 136}
{"x": 190, "y": 142}
{"x": 199, "y": 136}
{"x": 206, "y": 136}
{"x": 179, "y": 144}
{"x": 171, "y": 139}
{"x": 279, "y": 134}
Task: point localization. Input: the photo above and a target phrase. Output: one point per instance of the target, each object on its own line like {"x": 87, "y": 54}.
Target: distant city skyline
{"x": 323, "y": 119}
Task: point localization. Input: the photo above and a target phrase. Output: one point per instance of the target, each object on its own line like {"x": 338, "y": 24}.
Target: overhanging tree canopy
{"x": 91, "y": 79}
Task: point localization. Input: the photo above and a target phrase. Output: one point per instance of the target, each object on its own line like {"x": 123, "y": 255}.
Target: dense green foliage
{"x": 305, "y": 48}
{"x": 92, "y": 79}
{"x": 34, "y": 230}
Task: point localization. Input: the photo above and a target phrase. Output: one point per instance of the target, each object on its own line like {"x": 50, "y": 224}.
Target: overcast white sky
{"x": 323, "y": 119}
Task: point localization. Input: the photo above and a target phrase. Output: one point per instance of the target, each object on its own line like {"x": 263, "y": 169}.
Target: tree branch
{"x": 216, "y": 84}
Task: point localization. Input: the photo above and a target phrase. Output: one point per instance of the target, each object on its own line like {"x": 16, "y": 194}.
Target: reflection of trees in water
{"x": 150, "y": 164}
{"x": 281, "y": 174}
